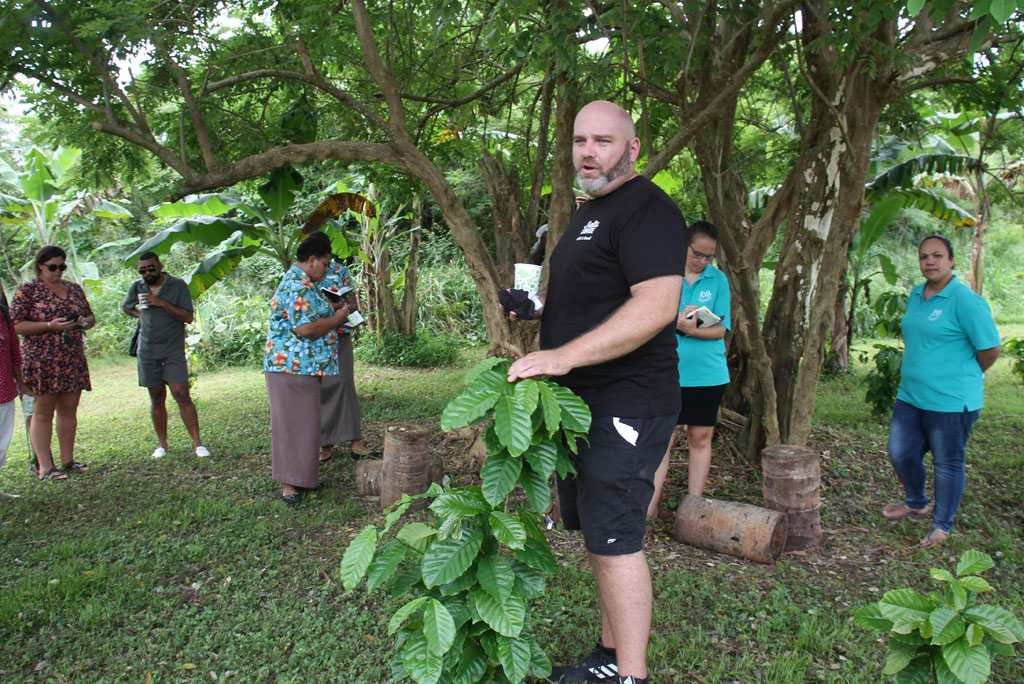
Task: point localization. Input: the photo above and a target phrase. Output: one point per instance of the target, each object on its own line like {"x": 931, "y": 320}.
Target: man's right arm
{"x": 130, "y": 301}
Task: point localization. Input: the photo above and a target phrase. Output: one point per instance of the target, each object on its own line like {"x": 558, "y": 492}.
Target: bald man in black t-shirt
{"x": 607, "y": 333}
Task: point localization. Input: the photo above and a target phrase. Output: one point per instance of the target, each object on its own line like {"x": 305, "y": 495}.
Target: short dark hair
{"x": 313, "y": 246}
{"x": 45, "y": 254}
{"x": 701, "y": 228}
{"x": 146, "y": 256}
{"x": 941, "y": 238}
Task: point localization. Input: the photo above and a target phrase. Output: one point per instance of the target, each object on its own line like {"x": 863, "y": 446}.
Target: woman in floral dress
{"x": 301, "y": 349}
{"x": 51, "y": 315}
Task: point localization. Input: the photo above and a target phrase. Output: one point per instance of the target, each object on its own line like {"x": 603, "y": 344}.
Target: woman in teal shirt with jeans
{"x": 950, "y": 340}
{"x": 703, "y": 371}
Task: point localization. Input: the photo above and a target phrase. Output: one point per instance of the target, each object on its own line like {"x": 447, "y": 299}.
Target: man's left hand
{"x": 153, "y": 300}
{"x": 550, "y": 362}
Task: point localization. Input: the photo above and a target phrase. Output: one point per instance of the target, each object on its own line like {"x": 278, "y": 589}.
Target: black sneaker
{"x": 598, "y": 666}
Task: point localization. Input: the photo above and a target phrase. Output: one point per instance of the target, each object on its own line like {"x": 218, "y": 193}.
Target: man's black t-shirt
{"x": 633, "y": 234}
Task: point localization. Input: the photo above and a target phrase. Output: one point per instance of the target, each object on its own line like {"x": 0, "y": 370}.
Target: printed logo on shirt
{"x": 587, "y": 233}
{"x": 936, "y": 313}
{"x": 705, "y": 296}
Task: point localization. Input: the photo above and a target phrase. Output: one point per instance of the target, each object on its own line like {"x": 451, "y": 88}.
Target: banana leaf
{"x": 215, "y": 267}
{"x": 210, "y": 204}
{"x": 208, "y": 230}
{"x": 902, "y": 175}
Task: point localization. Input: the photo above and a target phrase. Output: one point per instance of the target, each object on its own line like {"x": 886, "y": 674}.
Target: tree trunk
{"x": 409, "y": 298}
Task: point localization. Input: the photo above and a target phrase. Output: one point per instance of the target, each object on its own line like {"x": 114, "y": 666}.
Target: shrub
{"x": 425, "y": 351}
{"x": 1015, "y": 347}
{"x": 946, "y": 636}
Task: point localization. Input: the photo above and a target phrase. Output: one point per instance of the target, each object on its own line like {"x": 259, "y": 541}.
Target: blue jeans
{"x": 912, "y": 433}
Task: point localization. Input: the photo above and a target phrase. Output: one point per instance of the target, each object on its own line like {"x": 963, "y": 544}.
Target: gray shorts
{"x": 157, "y": 372}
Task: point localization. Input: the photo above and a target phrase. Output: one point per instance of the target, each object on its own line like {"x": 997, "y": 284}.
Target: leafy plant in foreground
{"x": 468, "y": 576}
{"x": 1015, "y": 347}
{"x": 945, "y": 637}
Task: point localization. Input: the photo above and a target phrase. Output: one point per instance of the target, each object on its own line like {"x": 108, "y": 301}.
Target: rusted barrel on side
{"x": 735, "y": 528}
{"x": 405, "y": 467}
{"x": 792, "y": 485}
{"x": 368, "y": 474}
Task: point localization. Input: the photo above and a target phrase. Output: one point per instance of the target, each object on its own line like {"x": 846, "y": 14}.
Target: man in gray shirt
{"x": 164, "y": 305}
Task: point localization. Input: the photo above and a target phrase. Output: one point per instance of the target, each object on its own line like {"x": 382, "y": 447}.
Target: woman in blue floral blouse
{"x": 301, "y": 350}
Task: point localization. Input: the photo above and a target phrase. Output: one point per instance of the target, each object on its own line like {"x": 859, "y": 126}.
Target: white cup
{"x": 528, "y": 278}
{"x": 142, "y": 303}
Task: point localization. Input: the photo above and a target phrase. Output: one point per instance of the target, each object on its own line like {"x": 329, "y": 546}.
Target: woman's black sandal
{"x": 73, "y": 466}
{"x": 53, "y": 474}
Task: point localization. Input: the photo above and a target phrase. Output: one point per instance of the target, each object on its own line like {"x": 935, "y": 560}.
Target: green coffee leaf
{"x": 972, "y": 562}
{"x": 536, "y": 487}
{"x": 499, "y": 472}
{"x": 496, "y": 577}
{"x": 416, "y": 536}
{"x": 507, "y": 529}
{"x": 538, "y": 556}
{"x": 540, "y": 666}
{"x": 461, "y": 502}
{"x": 996, "y": 647}
{"x": 529, "y": 582}
{"x": 905, "y": 605}
{"x": 405, "y": 580}
{"x": 976, "y": 584}
{"x": 472, "y": 665}
{"x": 947, "y": 626}
{"x": 385, "y": 563}
{"x": 956, "y": 595}
{"x": 438, "y": 627}
{"x": 975, "y": 634}
{"x": 552, "y": 410}
{"x": 941, "y": 575}
{"x": 403, "y": 613}
{"x": 919, "y": 671}
{"x": 467, "y": 408}
{"x": 542, "y": 457}
{"x": 526, "y": 394}
{"x": 396, "y": 511}
{"x": 496, "y": 362}
{"x": 970, "y": 664}
{"x": 575, "y": 414}
{"x": 943, "y": 675}
{"x": 357, "y": 557}
{"x": 446, "y": 559}
{"x": 897, "y": 659}
{"x": 870, "y": 617}
{"x": 504, "y": 617}
{"x": 514, "y": 656}
{"x": 420, "y": 664}
{"x": 494, "y": 380}
{"x": 458, "y": 585}
{"x": 1000, "y": 623}
{"x": 512, "y": 425}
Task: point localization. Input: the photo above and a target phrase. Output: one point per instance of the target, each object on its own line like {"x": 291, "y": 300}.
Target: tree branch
{"x": 198, "y": 123}
{"x": 312, "y": 79}
{"x": 385, "y": 79}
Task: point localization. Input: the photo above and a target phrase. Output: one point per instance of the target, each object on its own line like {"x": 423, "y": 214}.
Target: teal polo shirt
{"x": 942, "y": 337}
{"x": 702, "y": 362}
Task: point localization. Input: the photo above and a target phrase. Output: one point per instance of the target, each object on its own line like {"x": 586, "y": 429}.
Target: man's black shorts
{"x": 614, "y": 483}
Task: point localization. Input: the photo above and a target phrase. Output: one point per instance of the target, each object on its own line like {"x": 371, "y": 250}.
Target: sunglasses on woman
{"x": 56, "y": 267}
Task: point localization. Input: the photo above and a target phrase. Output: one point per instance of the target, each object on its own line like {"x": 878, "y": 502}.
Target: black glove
{"x": 517, "y": 302}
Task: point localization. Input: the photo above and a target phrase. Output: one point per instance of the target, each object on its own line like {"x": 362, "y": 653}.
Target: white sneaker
{"x": 159, "y": 452}
{"x": 202, "y": 451}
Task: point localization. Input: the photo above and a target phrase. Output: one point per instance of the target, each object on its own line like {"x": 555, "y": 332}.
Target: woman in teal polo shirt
{"x": 950, "y": 340}
{"x": 703, "y": 372}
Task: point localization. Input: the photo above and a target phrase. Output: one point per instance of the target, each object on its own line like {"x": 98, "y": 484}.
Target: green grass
{"x": 189, "y": 570}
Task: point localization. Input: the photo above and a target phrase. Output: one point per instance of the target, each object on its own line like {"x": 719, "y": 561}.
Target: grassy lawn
{"x": 191, "y": 570}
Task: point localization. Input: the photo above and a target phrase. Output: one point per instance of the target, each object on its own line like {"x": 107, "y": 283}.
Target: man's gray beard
{"x": 593, "y": 185}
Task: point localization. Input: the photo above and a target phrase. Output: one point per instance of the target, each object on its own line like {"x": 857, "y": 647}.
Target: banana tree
{"x": 912, "y": 183}
{"x": 232, "y": 226}
{"x": 51, "y": 210}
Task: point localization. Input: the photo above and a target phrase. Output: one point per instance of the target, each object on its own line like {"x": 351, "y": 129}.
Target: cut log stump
{"x": 792, "y": 485}
{"x": 737, "y": 529}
